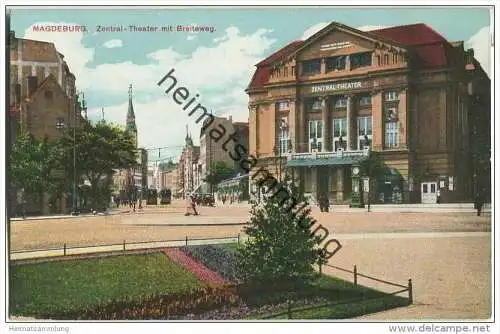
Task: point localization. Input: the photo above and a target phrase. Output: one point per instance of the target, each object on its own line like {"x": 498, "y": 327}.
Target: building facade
{"x": 169, "y": 180}
{"x": 213, "y": 150}
{"x": 188, "y": 169}
{"x": 43, "y": 102}
{"x": 319, "y": 107}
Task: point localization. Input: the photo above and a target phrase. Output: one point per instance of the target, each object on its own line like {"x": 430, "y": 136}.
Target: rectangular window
{"x": 339, "y": 133}
{"x": 335, "y": 63}
{"x": 311, "y": 66}
{"x": 293, "y": 70}
{"x": 365, "y": 100}
{"x": 391, "y": 96}
{"x": 364, "y": 132}
{"x": 361, "y": 60}
{"x": 284, "y": 136}
{"x": 341, "y": 102}
{"x": 60, "y": 123}
{"x": 391, "y": 135}
{"x": 315, "y": 136}
{"x": 285, "y": 71}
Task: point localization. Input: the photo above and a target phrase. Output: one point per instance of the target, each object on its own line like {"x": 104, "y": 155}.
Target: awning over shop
{"x": 331, "y": 161}
{"x": 232, "y": 184}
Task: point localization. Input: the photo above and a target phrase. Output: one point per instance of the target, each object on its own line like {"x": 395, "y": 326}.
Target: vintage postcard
{"x": 257, "y": 163}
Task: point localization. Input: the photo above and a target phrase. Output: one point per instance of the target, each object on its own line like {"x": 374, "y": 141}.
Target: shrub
{"x": 217, "y": 258}
{"x": 281, "y": 246}
{"x": 196, "y": 301}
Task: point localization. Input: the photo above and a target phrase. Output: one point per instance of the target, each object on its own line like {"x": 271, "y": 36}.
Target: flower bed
{"x": 218, "y": 258}
{"x": 171, "y": 306}
{"x": 199, "y": 270}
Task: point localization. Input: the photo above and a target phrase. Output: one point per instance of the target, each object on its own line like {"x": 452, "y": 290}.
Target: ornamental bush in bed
{"x": 281, "y": 247}
{"x": 217, "y": 258}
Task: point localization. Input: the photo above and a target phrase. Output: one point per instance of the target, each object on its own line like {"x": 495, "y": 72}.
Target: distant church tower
{"x": 131, "y": 127}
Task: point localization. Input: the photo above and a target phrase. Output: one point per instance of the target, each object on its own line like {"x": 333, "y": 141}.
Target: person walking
{"x": 479, "y": 202}
{"x": 193, "y": 205}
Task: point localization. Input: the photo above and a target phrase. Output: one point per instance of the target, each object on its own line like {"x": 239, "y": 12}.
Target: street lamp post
{"x": 78, "y": 108}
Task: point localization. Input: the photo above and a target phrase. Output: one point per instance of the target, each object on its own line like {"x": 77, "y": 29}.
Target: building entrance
{"x": 429, "y": 192}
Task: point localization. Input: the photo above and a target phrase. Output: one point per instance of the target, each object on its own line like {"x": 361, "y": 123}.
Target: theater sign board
{"x": 337, "y": 87}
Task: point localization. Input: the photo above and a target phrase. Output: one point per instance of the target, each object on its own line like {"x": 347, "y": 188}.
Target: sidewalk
{"x": 443, "y": 207}
{"x": 107, "y": 213}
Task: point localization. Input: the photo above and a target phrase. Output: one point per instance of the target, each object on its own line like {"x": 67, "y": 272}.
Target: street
{"x": 447, "y": 255}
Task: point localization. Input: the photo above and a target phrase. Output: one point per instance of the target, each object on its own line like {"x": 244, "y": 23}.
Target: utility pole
{"x": 78, "y": 108}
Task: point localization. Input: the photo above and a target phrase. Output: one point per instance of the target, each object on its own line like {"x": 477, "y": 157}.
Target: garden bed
{"x": 42, "y": 289}
{"x": 151, "y": 286}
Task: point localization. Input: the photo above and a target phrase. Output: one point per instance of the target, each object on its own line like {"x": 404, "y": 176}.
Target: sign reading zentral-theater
{"x": 337, "y": 86}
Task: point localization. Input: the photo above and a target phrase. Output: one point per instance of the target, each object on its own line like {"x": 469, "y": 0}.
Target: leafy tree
{"x": 100, "y": 149}
{"x": 220, "y": 172}
{"x": 281, "y": 248}
{"x": 31, "y": 163}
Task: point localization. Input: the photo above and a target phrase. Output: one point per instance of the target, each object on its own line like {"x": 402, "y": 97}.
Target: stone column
{"x": 403, "y": 116}
{"x": 324, "y": 113}
{"x": 340, "y": 184}
{"x": 351, "y": 133}
{"x": 292, "y": 125}
{"x": 377, "y": 121}
{"x": 302, "y": 140}
{"x": 253, "y": 129}
{"x": 323, "y": 66}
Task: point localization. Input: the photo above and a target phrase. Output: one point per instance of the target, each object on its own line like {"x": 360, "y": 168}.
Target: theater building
{"x": 319, "y": 107}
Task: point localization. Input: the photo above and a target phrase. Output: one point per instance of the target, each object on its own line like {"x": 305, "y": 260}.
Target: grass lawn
{"x": 345, "y": 300}
{"x": 38, "y": 288}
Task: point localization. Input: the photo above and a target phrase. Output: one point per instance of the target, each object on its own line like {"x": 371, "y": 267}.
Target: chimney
{"x": 32, "y": 84}
{"x": 469, "y": 59}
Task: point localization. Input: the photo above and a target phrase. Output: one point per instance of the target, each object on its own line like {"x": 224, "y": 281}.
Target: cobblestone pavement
{"x": 451, "y": 274}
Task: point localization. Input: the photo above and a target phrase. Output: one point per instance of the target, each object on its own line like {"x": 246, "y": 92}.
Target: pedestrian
{"x": 193, "y": 205}
{"x": 479, "y": 202}
{"x": 438, "y": 196}
{"x": 326, "y": 204}
{"x": 117, "y": 202}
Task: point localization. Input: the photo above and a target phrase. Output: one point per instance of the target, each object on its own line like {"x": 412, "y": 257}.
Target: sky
{"x": 217, "y": 63}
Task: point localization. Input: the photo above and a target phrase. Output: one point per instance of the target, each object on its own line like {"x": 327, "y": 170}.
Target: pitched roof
{"x": 283, "y": 52}
{"x": 43, "y": 83}
{"x": 431, "y": 48}
{"x": 413, "y": 34}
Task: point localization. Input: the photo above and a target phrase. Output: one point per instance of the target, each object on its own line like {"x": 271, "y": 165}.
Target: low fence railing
{"x": 123, "y": 246}
{"x": 405, "y": 288}
{"x": 357, "y": 274}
